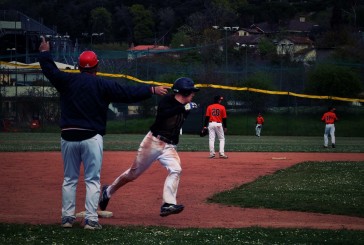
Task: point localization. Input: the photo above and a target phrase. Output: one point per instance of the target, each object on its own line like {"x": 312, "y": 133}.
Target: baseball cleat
{"x": 67, "y": 222}
{"x": 92, "y": 225}
{"x": 168, "y": 209}
{"x": 104, "y": 199}
{"x": 333, "y": 145}
{"x": 212, "y": 156}
{"x": 223, "y": 156}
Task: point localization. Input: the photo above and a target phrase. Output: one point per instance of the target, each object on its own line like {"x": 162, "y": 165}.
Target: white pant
{"x": 216, "y": 129}
{"x": 90, "y": 153}
{"x": 150, "y": 150}
{"x": 329, "y": 129}
{"x": 258, "y": 129}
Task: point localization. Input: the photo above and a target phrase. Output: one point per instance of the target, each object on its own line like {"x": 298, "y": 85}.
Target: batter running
{"x": 160, "y": 144}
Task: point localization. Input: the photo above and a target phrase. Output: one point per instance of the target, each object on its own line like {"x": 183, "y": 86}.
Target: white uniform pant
{"x": 150, "y": 150}
{"x": 216, "y": 129}
{"x": 329, "y": 130}
{"x": 258, "y": 129}
{"x": 90, "y": 153}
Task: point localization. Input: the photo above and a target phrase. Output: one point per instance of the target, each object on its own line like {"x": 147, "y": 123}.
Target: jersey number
{"x": 215, "y": 112}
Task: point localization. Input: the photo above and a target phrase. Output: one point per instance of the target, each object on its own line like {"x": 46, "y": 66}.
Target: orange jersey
{"x": 216, "y": 112}
{"x": 329, "y": 117}
{"x": 260, "y": 120}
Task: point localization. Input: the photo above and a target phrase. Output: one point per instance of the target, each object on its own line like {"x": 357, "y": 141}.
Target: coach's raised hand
{"x": 160, "y": 90}
{"x": 44, "y": 45}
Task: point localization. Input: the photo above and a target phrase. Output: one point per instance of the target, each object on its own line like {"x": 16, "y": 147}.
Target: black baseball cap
{"x": 217, "y": 98}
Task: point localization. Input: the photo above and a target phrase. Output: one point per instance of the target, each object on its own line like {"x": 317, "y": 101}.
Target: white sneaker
{"x": 212, "y": 156}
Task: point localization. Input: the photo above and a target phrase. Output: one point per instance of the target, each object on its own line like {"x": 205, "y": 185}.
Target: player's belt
{"x": 162, "y": 138}
{"x": 215, "y": 122}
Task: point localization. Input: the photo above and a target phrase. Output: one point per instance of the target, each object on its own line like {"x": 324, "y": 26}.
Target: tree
{"x": 333, "y": 80}
{"x": 143, "y": 23}
{"x": 167, "y": 19}
{"x": 101, "y": 20}
{"x": 224, "y": 12}
{"x": 123, "y": 24}
{"x": 180, "y": 39}
{"x": 266, "y": 48}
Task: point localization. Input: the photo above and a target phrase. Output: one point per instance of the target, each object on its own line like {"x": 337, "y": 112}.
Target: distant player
{"x": 329, "y": 118}
{"x": 259, "y": 124}
{"x": 215, "y": 120}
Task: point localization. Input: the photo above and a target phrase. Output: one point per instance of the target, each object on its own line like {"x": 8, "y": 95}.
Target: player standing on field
{"x": 215, "y": 120}
{"x": 259, "y": 124}
{"x": 329, "y": 118}
{"x": 160, "y": 144}
{"x": 84, "y": 99}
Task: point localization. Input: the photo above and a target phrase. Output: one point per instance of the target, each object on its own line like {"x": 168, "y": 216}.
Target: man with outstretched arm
{"x": 84, "y": 101}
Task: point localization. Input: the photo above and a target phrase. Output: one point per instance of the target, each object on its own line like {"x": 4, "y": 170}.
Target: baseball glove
{"x": 204, "y": 132}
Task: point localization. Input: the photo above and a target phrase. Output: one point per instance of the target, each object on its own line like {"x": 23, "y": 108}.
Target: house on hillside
{"x": 145, "y": 51}
{"x": 300, "y": 27}
{"x": 296, "y": 27}
{"x": 249, "y": 42}
{"x": 265, "y": 28}
{"x": 299, "y": 49}
{"x": 242, "y": 32}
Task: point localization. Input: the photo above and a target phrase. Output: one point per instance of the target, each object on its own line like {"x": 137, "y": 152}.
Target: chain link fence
{"x": 26, "y": 95}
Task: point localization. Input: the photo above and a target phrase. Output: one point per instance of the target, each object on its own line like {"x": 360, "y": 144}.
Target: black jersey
{"x": 170, "y": 117}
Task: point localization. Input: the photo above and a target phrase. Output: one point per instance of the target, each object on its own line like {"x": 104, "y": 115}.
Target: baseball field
{"x": 271, "y": 190}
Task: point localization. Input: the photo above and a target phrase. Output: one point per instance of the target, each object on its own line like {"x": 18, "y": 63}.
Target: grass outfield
{"x": 53, "y": 234}
{"x": 312, "y": 186}
{"x": 130, "y": 142}
{"x": 319, "y": 187}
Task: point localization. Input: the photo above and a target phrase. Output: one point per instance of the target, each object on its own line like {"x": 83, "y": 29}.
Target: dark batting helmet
{"x": 184, "y": 86}
{"x": 87, "y": 59}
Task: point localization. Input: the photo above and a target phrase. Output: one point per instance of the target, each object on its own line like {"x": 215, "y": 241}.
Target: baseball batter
{"x": 160, "y": 144}
{"x": 84, "y": 99}
{"x": 259, "y": 124}
{"x": 215, "y": 120}
{"x": 329, "y": 118}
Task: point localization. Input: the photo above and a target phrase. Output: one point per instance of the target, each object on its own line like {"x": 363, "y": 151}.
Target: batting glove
{"x": 190, "y": 106}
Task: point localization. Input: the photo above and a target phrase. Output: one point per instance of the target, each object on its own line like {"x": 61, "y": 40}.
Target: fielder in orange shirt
{"x": 259, "y": 124}
{"x": 329, "y": 118}
{"x": 215, "y": 120}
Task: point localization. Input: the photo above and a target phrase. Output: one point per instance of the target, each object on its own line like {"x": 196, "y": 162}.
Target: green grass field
{"x": 130, "y": 142}
{"x": 335, "y": 187}
{"x": 53, "y": 234}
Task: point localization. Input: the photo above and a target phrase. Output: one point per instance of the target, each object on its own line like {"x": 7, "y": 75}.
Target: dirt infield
{"x": 30, "y": 184}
